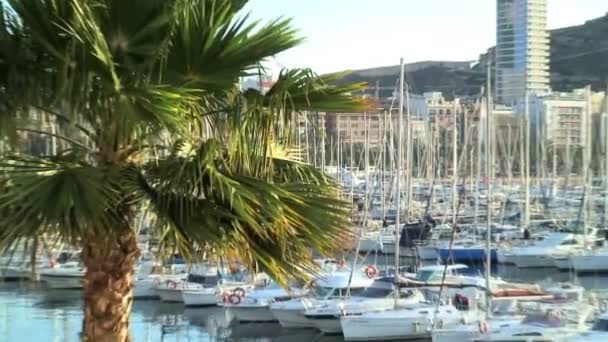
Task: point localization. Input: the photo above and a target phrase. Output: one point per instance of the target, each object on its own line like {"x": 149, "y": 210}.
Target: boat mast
{"x": 489, "y": 194}
{"x": 586, "y": 161}
{"x": 307, "y": 140}
{"x": 399, "y": 159}
{"x": 339, "y": 154}
{"x": 527, "y": 161}
{"x": 478, "y": 171}
{"x": 368, "y": 189}
{"x": 382, "y": 135}
{"x": 314, "y": 139}
{"x": 323, "y": 147}
{"x": 605, "y": 140}
{"x": 408, "y": 156}
{"x": 454, "y": 165}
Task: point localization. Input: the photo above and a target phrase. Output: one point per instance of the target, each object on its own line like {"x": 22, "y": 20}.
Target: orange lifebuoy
{"x": 239, "y": 291}
{"x": 234, "y": 299}
{"x": 171, "y": 284}
{"x": 483, "y": 327}
{"x": 371, "y": 271}
{"x": 225, "y": 297}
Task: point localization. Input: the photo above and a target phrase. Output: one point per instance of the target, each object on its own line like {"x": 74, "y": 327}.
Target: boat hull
{"x": 456, "y": 335}
{"x": 170, "y": 295}
{"x": 14, "y": 273}
{"x": 327, "y": 325}
{"x": 427, "y": 252}
{"x": 200, "y": 299}
{"x": 533, "y": 261}
{"x": 468, "y": 255}
{"x": 292, "y": 319}
{"x": 590, "y": 263}
{"x": 145, "y": 290}
{"x": 369, "y": 245}
{"x": 62, "y": 281}
{"x": 360, "y": 329}
{"x": 251, "y": 314}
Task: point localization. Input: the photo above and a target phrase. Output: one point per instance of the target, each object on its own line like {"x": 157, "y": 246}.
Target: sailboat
{"x": 412, "y": 320}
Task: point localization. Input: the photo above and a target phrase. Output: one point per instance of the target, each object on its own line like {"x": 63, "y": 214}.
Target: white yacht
{"x": 597, "y": 333}
{"x": 334, "y": 286}
{"x": 255, "y": 307}
{"x": 380, "y": 295}
{"x": 370, "y": 242}
{"x": 215, "y": 291}
{"x": 63, "y": 276}
{"x": 535, "y": 321}
{"x": 22, "y": 269}
{"x": 546, "y": 327}
{"x": 539, "y": 254}
{"x": 199, "y": 277}
{"x": 408, "y": 322}
{"x": 590, "y": 261}
{"x": 148, "y": 275}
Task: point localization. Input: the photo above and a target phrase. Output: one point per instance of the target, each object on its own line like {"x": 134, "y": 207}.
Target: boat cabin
{"x": 601, "y": 324}
{"x": 339, "y": 285}
{"x": 435, "y": 272}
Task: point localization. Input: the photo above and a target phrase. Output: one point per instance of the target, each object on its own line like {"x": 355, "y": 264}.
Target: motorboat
{"x": 536, "y": 321}
{"x": 408, "y": 322}
{"x": 465, "y": 250}
{"x": 539, "y": 254}
{"x": 148, "y": 275}
{"x": 68, "y": 275}
{"x": 22, "y": 269}
{"x": 255, "y": 306}
{"x": 333, "y": 286}
{"x": 590, "y": 261}
{"x": 597, "y": 333}
{"x": 380, "y": 295}
{"x": 199, "y": 278}
{"x": 216, "y": 289}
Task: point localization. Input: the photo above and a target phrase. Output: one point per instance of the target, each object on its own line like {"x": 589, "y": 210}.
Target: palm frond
{"x": 273, "y": 225}
{"x": 59, "y": 195}
{"x": 301, "y": 89}
{"x": 211, "y": 49}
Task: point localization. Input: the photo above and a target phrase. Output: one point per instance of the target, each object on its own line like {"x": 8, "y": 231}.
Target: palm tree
{"x": 147, "y": 113}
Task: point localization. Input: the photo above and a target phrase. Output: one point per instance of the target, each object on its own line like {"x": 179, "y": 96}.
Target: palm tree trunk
{"x": 108, "y": 286}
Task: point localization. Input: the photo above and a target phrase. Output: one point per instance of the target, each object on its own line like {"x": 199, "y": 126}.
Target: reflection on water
{"x": 28, "y": 312}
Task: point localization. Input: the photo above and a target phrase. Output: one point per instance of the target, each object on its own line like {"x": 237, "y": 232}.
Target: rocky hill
{"x": 579, "y": 56}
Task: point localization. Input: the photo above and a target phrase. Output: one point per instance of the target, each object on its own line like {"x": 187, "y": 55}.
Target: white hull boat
{"x": 202, "y": 298}
{"x": 291, "y": 313}
{"x": 170, "y": 295}
{"x": 255, "y": 307}
{"x": 58, "y": 281}
{"x": 598, "y": 333}
{"x": 590, "y": 262}
{"x": 412, "y": 322}
{"x": 65, "y": 276}
{"x": 292, "y": 319}
{"x": 212, "y": 296}
{"x": 427, "y": 252}
{"x": 252, "y": 313}
{"x": 326, "y": 316}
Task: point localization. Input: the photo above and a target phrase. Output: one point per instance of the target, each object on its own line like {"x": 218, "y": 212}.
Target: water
{"x": 29, "y": 312}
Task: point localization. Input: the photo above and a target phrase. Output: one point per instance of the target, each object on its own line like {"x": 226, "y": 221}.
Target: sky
{"x": 357, "y": 34}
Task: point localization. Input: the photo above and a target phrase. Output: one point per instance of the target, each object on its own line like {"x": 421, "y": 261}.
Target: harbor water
{"x": 30, "y": 312}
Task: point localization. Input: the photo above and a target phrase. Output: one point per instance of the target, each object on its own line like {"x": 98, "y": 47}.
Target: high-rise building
{"x": 522, "y": 49}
